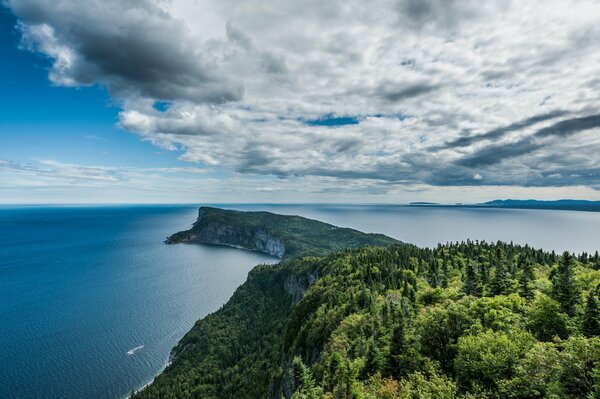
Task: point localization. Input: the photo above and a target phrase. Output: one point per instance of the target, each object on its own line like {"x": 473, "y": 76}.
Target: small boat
{"x": 133, "y": 351}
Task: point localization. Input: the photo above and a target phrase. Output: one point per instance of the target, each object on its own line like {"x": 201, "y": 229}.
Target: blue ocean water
{"x": 82, "y": 286}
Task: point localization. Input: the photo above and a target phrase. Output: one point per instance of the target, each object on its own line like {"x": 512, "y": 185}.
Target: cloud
{"x": 403, "y": 93}
{"x": 496, "y": 153}
{"x": 508, "y": 103}
{"x": 493, "y": 154}
{"x": 136, "y": 48}
{"x": 439, "y": 14}
{"x": 568, "y": 127}
{"x": 500, "y": 132}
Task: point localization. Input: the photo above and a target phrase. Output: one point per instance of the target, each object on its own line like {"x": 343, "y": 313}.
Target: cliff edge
{"x": 282, "y": 236}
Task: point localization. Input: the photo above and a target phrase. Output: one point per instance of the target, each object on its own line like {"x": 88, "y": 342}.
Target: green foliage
{"x": 303, "y": 383}
{"x": 300, "y": 236}
{"x": 591, "y": 318}
{"x": 564, "y": 288}
{"x": 465, "y": 320}
{"x": 439, "y": 328}
{"x": 485, "y": 359}
{"x": 546, "y": 320}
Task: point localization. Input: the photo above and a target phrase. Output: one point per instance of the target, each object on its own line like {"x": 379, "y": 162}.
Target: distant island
{"x": 352, "y": 315}
{"x": 564, "y": 204}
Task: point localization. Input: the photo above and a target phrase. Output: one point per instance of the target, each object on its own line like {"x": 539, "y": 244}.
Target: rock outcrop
{"x": 220, "y": 233}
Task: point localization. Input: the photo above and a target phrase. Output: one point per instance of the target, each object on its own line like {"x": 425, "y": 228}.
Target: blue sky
{"x": 39, "y": 120}
{"x": 218, "y": 101}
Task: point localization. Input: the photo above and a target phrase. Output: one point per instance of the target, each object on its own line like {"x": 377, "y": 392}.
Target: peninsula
{"x": 353, "y": 315}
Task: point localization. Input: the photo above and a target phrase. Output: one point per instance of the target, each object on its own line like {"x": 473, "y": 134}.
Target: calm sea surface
{"x": 82, "y": 286}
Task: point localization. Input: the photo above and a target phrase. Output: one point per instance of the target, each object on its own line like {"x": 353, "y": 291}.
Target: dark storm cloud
{"x": 445, "y": 14}
{"x": 394, "y": 94}
{"x": 500, "y": 132}
{"x": 570, "y": 126}
{"x": 134, "y": 47}
{"x": 493, "y": 154}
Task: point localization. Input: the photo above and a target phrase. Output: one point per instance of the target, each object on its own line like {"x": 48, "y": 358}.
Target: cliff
{"x": 368, "y": 323}
{"x": 283, "y": 236}
{"x": 210, "y": 229}
{"x": 236, "y": 351}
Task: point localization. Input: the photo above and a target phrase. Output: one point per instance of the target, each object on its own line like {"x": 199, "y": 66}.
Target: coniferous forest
{"x": 464, "y": 320}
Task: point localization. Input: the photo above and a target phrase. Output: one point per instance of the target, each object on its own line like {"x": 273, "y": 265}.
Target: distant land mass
{"x": 563, "y": 204}
{"x": 352, "y": 315}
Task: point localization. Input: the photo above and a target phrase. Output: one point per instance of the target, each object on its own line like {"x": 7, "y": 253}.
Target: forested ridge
{"x": 462, "y": 320}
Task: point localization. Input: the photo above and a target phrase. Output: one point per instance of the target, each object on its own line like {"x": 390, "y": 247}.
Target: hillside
{"x": 279, "y": 235}
{"x": 465, "y": 320}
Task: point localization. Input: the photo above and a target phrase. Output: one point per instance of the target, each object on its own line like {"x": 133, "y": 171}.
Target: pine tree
{"x": 564, "y": 289}
{"x": 591, "y": 317}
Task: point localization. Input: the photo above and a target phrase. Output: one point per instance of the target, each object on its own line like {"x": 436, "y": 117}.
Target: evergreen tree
{"x": 303, "y": 383}
{"x": 500, "y": 282}
{"x": 375, "y": 359}
{"x": 591, "y": 318}
{"x": 526, "y": 280}
{"x": 564, "y": 289}
{"x": 472, "y": 284}
{"x": 397, "y": 350}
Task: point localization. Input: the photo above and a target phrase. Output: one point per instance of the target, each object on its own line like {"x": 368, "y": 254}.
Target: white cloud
{"x": 242, "y": 79}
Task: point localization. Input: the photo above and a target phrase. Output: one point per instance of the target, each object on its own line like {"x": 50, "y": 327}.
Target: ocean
{"x": 92, "y": 301}
{"x": 81, "y": 286}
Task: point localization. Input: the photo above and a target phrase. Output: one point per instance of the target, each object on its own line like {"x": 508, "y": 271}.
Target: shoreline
{"x": 167, "y": 364}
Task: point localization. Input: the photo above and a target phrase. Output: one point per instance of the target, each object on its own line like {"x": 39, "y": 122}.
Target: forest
{"x": 462, "y": 320}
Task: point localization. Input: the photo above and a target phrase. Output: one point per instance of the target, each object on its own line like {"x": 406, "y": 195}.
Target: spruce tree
{"x": 591, "y": 317}
{"x": 526, "y": 279}
{"x": 500, "y": 282}
{"x": 397, "y": 350}
{"x": 472, "y": 282}
{"x": 445, "y": 274}
{"x": 564, "y": 289}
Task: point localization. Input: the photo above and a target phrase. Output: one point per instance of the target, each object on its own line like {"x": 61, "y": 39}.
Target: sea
{"x": 92, "y": 301}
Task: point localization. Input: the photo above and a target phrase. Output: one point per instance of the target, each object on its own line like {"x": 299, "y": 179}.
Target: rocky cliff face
{"x": 219, "y": 233}
{"x": 296, "y": 286}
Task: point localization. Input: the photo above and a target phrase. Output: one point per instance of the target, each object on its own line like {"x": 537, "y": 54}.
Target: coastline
{"x": 167, "y": 364}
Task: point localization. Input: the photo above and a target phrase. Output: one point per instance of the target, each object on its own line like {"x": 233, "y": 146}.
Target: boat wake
{"x": 133, "y": 351}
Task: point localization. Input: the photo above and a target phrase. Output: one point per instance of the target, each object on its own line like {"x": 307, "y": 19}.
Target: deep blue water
{"x": 81, "y": 286}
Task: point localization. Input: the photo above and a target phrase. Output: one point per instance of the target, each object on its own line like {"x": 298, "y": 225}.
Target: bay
{"x": 82, "y": 286}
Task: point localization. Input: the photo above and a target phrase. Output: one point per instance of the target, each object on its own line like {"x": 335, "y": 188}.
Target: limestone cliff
{"x": 284, "y": 236}
{"x": 207, "y": 231}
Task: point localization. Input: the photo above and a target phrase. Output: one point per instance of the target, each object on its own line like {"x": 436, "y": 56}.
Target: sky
{"x": 388, "y": 101}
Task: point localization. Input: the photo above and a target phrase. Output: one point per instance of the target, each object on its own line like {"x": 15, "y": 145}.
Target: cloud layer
{"x": 435, "y": 92}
